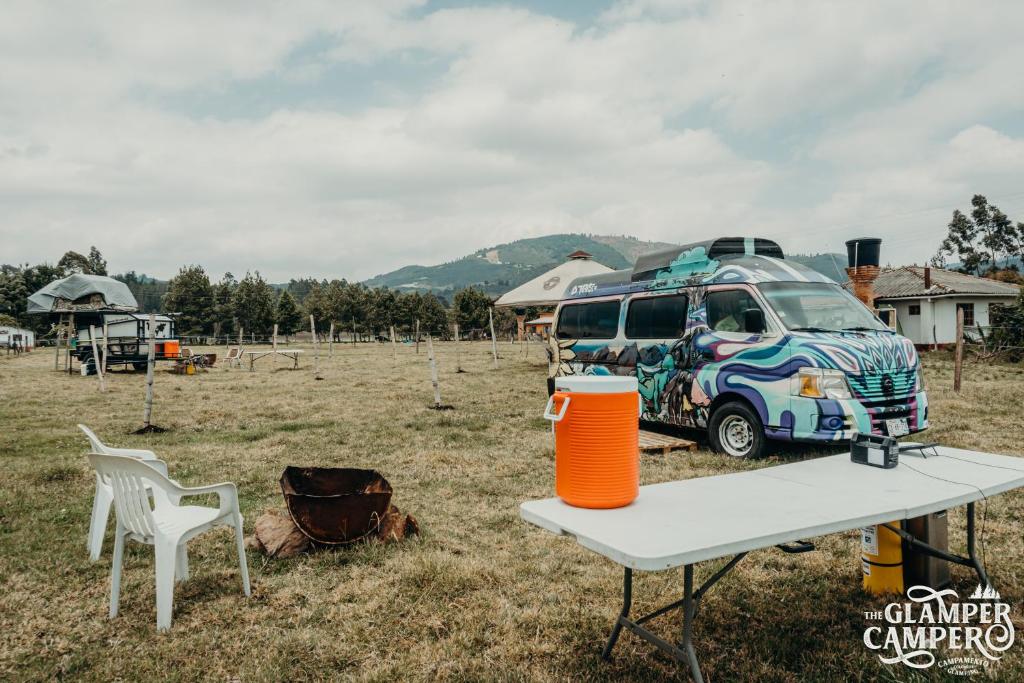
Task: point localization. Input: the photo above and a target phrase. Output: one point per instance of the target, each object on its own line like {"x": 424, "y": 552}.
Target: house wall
{"x": 940, "y": 313}
{"x": 28, "y": 337}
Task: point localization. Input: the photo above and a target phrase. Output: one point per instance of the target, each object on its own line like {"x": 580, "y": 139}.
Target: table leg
{"x": 627, "y": 601}
{"x": 979, "y": 570}
{"x": 689, "y": 612}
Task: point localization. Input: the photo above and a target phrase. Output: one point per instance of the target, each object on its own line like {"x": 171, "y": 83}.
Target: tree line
{"x": 207, "y": 308}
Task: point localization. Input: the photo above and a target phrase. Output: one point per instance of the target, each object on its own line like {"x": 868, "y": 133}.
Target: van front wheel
{"x": 736, "y": 430}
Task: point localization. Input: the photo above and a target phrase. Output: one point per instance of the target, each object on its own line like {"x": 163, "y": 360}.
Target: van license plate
{"x": 897, "y": 427}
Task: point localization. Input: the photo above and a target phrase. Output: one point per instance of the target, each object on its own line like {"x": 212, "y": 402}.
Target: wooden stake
{"x": 494, "y": 340}
{"x": 316, "y": 348}
{"x": 238, "y": 361}
{"x": 959, "y": 364}
{"x": 67, "y": 347}
{"x": 330, "y": 341}
{"x": 394, "y": 345}
{"x": 106, "y": 350}
{"x": 275, "y": 344}
{"x": 60, "y": 333}
{"x": 147, "y": 414}
{"x": 417, "y": 336}
{"x": 97, "y": 360}
{"x": 433, "y": 373}
{"x": 458, "y": 356}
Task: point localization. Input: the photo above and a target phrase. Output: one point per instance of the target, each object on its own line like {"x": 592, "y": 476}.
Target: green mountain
{"x": 499, "y": 269}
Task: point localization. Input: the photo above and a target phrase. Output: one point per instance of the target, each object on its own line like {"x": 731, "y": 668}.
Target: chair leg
{"x": 101, "y": 503}
{"x": 243, "y": 565}
{"x": 181, "y": 563}
{"x": 115, "y": 570}
{"x": 166, "y": 553}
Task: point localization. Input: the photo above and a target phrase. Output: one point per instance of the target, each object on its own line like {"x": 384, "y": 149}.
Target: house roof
{"x": 908, "y": 281}
{"x": 543, "y": 319}
{"x": 550, "y": 288}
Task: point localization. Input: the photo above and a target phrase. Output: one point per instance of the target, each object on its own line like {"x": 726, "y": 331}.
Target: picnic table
{"x": 682, "y": 523}
{"x": 287, "y": 353}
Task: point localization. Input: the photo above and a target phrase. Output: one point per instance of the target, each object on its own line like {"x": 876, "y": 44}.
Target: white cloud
{"x": 808, "y": 123}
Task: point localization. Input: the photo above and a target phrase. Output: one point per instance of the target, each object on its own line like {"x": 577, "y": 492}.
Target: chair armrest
{"x": 226, "y": 492}
{"x": 138, "y": 453}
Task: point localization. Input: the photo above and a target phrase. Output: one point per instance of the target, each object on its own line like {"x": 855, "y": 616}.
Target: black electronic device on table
{"x": 875, "y": 450}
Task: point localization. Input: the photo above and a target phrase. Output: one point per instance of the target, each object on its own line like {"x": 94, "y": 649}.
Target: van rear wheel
{"x": 736, "y": 430}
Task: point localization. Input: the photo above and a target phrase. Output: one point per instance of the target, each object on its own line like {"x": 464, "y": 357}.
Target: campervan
{"x": 728, "y": 336}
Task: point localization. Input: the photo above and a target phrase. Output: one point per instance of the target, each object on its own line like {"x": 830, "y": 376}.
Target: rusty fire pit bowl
{"x": 335, "y": 504}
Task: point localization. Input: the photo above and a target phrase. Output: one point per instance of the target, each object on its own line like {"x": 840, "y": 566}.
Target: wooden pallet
{"x": 652, "y": 442}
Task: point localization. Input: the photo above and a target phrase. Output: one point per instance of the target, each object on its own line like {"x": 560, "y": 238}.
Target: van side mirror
{"x": 753, "y": 321}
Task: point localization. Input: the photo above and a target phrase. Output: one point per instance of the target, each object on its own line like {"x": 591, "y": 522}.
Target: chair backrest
{"x": 94, "y": 441}
{"x": 128, "y": 478}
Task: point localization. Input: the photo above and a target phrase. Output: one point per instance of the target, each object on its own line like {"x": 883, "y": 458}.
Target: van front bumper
{"x": 815, "y": 419}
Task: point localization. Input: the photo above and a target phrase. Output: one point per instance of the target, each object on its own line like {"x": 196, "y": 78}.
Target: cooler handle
{"x": 548, "y": 415}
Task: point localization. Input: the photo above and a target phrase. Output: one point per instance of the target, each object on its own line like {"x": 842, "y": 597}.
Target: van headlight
{"x": 918, "y": 382}
{"x": 821, "y": 383}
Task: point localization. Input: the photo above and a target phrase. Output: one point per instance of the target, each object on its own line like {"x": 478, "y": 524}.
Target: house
{"x": 17, "y": 338}
{"x": 926, "y": 301}
{"x": 541, "y": 325}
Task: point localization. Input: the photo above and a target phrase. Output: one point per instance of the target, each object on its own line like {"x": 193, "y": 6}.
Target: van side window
{"x": 657, "y": 317}
{"x": 598, "y": 320}
{"x": 725, "y": 309}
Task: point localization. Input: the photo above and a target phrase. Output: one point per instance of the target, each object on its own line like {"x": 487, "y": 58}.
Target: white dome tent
{"x": 546, "y": 290}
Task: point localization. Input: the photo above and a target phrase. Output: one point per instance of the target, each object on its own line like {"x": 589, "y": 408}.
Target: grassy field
{"x": 480, "y": 595}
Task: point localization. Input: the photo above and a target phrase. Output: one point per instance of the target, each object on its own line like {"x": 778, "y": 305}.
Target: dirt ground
{"x": 480, "y": 595}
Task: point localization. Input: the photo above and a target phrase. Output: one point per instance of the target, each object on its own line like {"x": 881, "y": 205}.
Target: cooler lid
{"x": 596, "y": 384}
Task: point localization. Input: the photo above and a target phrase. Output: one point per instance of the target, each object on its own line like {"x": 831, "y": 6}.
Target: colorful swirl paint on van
{"x": 680, "y": 380}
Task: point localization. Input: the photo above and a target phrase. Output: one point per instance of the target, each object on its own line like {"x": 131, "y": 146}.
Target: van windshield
{"x": 818, "y": 307}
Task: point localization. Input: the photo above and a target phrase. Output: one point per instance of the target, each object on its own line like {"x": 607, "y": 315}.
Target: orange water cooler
{"x": 596, "y": 420}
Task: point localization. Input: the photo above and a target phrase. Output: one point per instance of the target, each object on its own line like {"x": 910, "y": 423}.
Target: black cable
{"x": 984, "y": 517}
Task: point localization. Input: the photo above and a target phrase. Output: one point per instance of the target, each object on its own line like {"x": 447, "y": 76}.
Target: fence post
{"x": 97, "y": 359}
{"x": 494, "y": 340}
{"x": 417, "y": 336}
{"x": 433, "y": 372}
{"x": 458, "y": 355}
{"x": 958, "y": 365}
{"x": 147, "y": 414}
{"x": 330, "y": 341}
{"x": 316, "y": 348}
{"x": 394, "y": 345}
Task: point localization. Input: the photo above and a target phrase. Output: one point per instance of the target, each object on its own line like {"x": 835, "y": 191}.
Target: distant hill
{"x": 505, "y": 266}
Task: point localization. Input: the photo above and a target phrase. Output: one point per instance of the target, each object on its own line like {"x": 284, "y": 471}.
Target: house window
{"x": 598, "y": 320}
{"x": 968, "y": 310}
{"x": 915, "y": 309}
{"x": 659, "y": 317}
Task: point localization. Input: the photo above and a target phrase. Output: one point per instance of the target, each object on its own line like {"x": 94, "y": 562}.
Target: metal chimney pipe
{"x": 927, "y": 277}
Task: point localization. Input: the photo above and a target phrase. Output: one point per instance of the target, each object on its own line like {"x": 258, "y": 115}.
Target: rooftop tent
{"x": 693, "y": 257}
{"x": 550, "y": 288}
{"x": 83, "y": 293}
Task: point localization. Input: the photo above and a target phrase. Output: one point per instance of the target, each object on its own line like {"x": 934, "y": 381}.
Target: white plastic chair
{"x": 167, "y": 526}
{"x": 104, "y": 497}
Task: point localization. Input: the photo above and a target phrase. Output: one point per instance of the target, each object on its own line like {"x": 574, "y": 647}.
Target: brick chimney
{"x": 863, "y": 256}
{"x": 927, "y": 278}
{"x": 863, "y": 279}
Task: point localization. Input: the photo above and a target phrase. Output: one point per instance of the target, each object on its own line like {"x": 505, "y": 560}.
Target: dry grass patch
{"x": 480, "y": 595}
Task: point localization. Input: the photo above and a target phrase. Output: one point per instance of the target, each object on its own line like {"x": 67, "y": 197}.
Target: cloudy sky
{"x": 349, "y": 138}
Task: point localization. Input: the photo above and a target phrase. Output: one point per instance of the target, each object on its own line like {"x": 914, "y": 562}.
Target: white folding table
{"x": 707, "y": 518}
{"x": 287, "y": 353}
